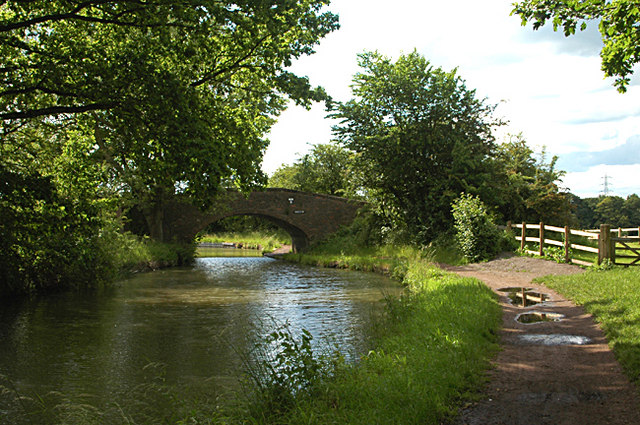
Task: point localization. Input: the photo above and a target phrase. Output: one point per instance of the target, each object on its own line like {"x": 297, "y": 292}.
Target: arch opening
{"x": 299, "y": 240}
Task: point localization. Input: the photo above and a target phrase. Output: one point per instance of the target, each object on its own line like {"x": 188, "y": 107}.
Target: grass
{"x": 341, "y": 252}
{"x": 266, "y": 241}
{"x": 433, "y": 347}
{"x": 613, "y": 297}
{"x": 133, "y": 254}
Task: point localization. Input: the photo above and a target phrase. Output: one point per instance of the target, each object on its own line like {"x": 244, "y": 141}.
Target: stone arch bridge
{"x": 307, "y": 217}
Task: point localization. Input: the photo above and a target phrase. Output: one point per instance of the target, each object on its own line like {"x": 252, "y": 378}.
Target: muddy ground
{"x": 569, "y": 382}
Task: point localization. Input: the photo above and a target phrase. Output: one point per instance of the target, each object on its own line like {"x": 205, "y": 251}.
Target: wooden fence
{"x": 615, "y": 248}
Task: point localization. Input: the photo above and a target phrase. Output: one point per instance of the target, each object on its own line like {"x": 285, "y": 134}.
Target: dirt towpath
{"x": 284, "y": 249}
{"x": 571, "y": 381}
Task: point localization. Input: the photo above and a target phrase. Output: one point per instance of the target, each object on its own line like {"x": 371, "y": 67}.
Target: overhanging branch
{"x": 55, "y": 110}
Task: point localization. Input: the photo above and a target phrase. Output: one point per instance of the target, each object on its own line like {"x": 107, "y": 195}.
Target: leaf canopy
{"x": 619, "y": 25}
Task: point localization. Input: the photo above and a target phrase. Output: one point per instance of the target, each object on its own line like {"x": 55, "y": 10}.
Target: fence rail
{"x": 608, "y": 245}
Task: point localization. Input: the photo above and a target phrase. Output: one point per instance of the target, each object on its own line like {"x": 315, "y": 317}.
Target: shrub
{"x": 476, "y": 234}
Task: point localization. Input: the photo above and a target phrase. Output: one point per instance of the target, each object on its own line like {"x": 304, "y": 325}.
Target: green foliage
{"x": 477, "y": 235}
{"x": 528, "y": 186}
{"x": 177, "y": 97}
{"x": 286, "y": 177}
{"x": 612, "y": 210}
{"x": 109, "y": 104}
{"x": 326, "y": 169}
{"x": 612, "y": 295}
{"x": 555, "y": 253}
{"x": 51, "y": 241}
{"x": 618, "y": 27}
{"x": 282, "y": 371}
{"x": 47, "y": 240}
{"x": 420, "y": 137}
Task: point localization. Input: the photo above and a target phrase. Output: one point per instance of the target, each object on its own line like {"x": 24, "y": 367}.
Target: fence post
{"x": 619, "y": 232}
{"x": 604, "y": 243}
{"x": 524, "y": 235}
{"x": 541, "y": 239}
{"x": 567, "y": 244}
{"x": 509, "y": 226}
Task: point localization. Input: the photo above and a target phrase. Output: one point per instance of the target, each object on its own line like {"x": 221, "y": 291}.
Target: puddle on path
{"x": 524, "y": 297}
{"x": 554, "y": 339}
{"x": 538, "y": 316}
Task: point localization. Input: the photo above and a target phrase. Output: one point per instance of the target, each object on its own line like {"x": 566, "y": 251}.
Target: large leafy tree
{"x": 177, "y": 95}
{"x": 67, "y": 56}
{"x": 618, "y": 24}
{"x": 421, "y": 138}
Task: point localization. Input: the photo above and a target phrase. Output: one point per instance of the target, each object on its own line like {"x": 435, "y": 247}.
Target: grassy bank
{"x": 266, "y": 241}
{"x": 431, "y": 353}
{"x": 131, "y": 254}
{"x": 613, "y": 297}
{"x": 341, "y": 252}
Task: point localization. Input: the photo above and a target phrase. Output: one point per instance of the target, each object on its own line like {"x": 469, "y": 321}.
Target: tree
{"x": 613, "y": 210}
{"x": 420, "y": 137}
{"x": 610, "y": 210}
{"x": 632, "y": 209}
{"x": 285, "y": 177}
{"x": 177, "y": 95}
{"x": 62, "y": 57}
{"x": 530, "y": 192}
{"x": 326, "y": 169}
{"x": 618, "y": 27}
{"x": 583, "y": 212}
{"x": 55, "y": 217}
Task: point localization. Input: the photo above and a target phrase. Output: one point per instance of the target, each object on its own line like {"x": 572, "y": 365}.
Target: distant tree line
{"x": 614, "y": 210}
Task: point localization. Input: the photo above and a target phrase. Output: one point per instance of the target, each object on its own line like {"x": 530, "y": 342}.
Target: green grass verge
{"x": 266, "y": 241}
{"x": 341, "y": 252}
{"x": 433, "y": 347}
{"x": 613, "y": 297}
{"x": 133, "y": 254}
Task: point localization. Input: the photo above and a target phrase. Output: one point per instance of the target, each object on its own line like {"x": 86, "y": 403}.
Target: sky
{"x": 548, "y": 87}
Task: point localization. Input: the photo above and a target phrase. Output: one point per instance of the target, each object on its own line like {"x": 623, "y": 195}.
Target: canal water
{"x": 182, "y": 331}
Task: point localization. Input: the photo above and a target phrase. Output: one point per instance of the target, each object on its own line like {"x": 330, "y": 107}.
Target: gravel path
{"x": 571, "y": 381}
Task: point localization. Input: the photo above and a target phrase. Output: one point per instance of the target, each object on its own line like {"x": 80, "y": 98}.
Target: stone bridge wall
{"x": 307, "y": 217}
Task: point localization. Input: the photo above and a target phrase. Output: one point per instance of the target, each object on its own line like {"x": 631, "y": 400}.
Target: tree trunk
{"x": 153, "y": 211}
{"x": 154, "y": 215}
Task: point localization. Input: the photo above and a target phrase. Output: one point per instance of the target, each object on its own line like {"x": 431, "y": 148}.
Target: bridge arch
{"x": 299, "y": 239}
{"x": 307, "y": 217}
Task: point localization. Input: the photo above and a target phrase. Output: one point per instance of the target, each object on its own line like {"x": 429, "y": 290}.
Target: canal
{"x": 129, "y": 349}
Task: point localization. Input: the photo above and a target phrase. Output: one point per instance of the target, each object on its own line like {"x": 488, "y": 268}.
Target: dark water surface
{"x": 180, "y": 328}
